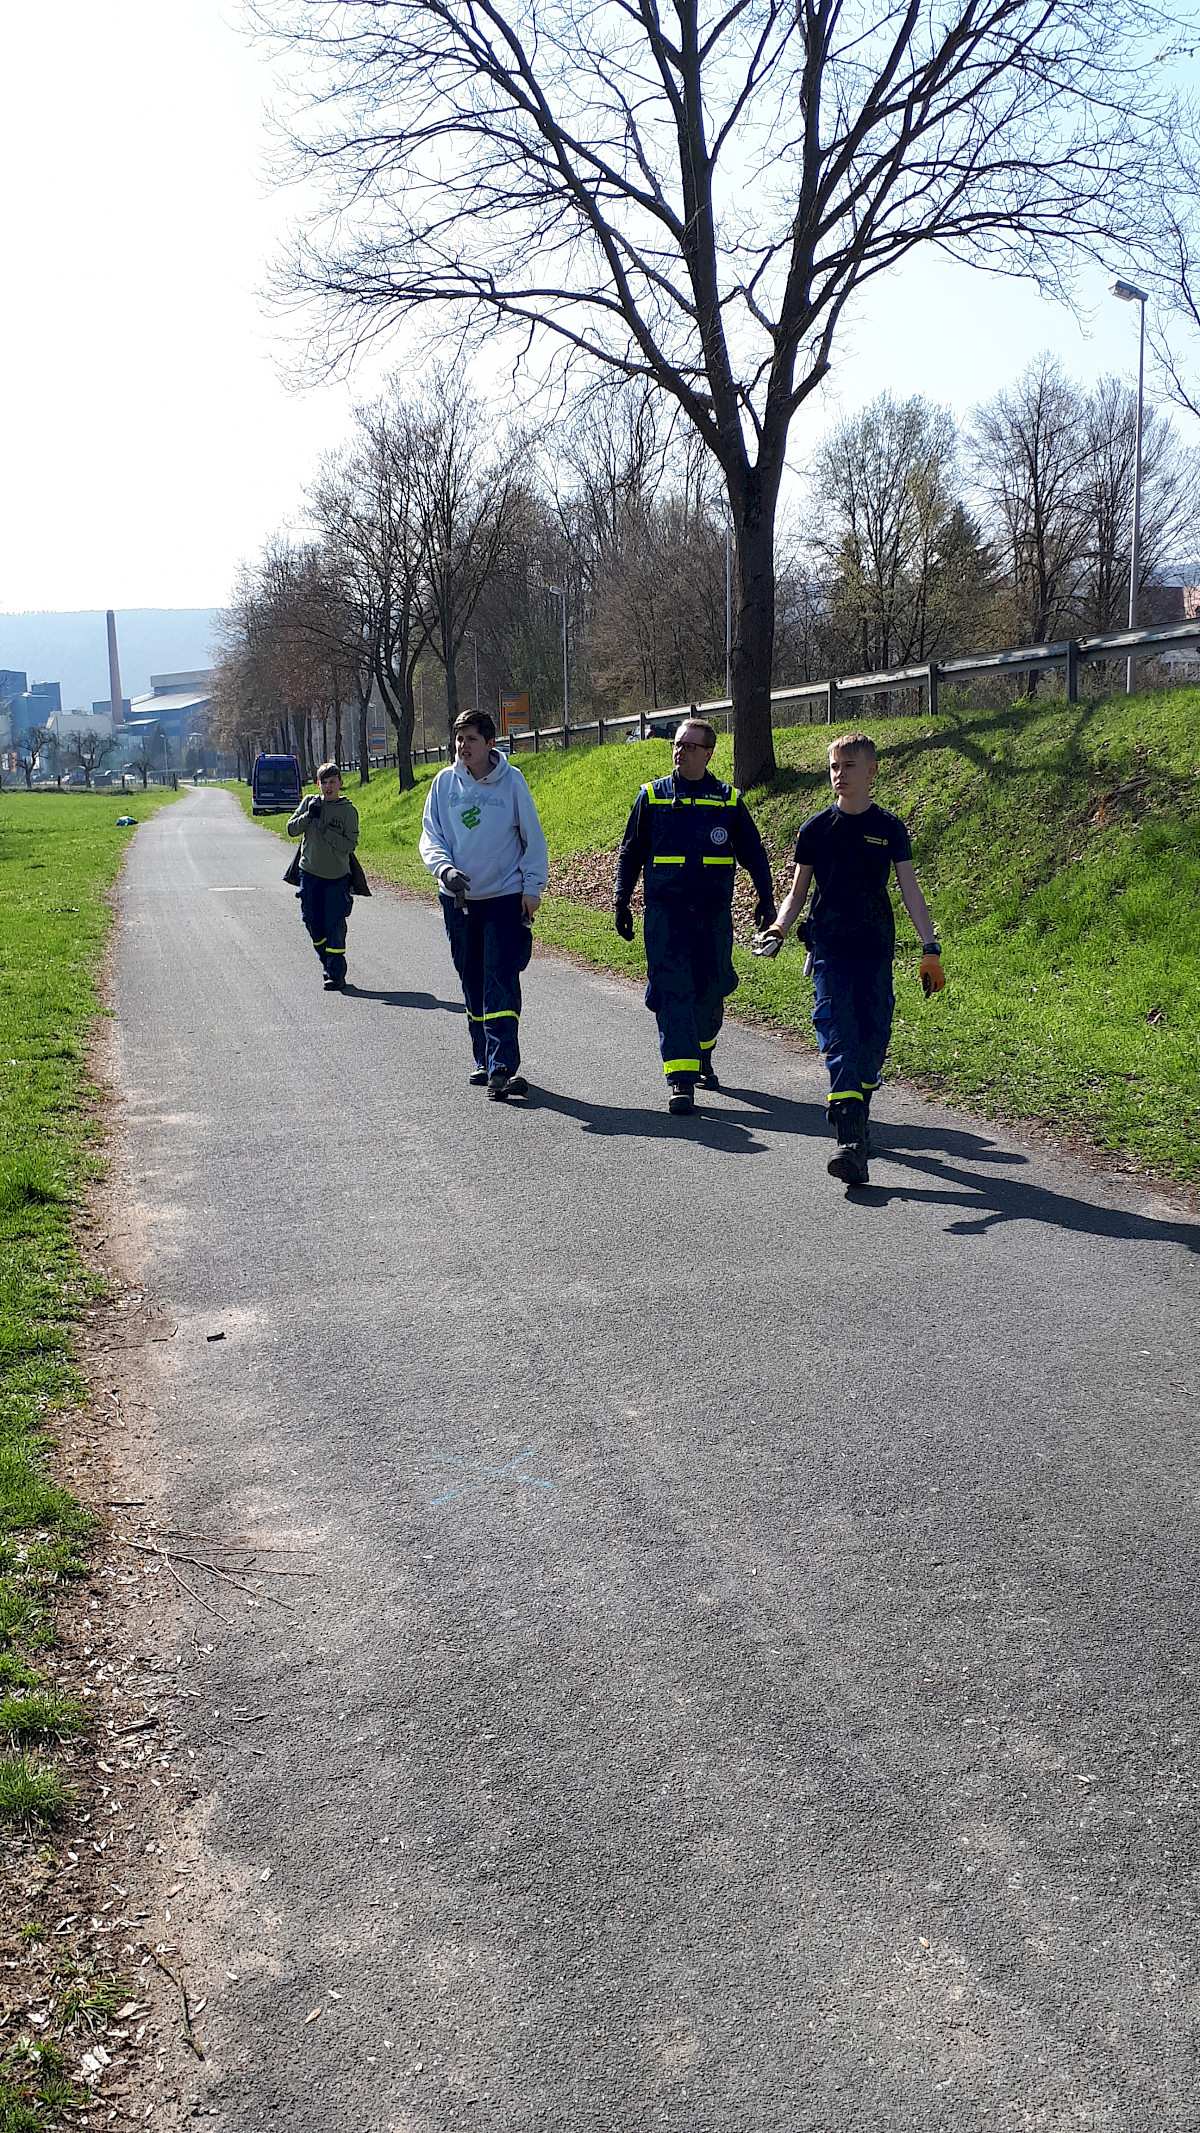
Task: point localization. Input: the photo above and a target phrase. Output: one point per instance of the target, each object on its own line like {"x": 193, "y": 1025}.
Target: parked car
{"x": 275, "y": 785}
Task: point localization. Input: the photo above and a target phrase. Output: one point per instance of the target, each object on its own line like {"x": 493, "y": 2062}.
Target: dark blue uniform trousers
{"x": 852, "y": 1016}
{"x": 491, "y": 945}
{"x": 689, "y": 962}
{"x": 325, "y": 907}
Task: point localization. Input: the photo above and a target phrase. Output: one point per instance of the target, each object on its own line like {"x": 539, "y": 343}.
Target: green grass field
{"x": 1059, "y": 846}
{"x": 59, "y": 856}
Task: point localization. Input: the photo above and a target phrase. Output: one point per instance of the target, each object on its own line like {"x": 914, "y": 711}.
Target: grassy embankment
{"x": 59, "y": 855}
{"x": 1059, "y": 846}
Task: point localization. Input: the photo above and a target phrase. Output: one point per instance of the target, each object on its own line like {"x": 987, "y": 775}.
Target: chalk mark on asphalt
{"x": 508, "y": 1472}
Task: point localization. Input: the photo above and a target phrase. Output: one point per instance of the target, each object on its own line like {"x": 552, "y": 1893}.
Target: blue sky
{"x": 150, "y": 438}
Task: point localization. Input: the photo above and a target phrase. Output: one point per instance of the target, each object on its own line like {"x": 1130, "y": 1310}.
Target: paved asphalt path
{"x": 749, "y": 1677}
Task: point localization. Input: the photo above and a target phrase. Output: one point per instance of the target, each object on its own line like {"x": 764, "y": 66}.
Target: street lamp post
{"x": 560, "y": 594}
{"x": 1128, "y": 294}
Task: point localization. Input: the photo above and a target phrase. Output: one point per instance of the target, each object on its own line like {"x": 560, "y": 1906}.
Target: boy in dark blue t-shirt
{"x": 849, "y": 850}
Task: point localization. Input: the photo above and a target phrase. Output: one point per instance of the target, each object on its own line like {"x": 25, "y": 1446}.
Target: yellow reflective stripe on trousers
{"x": 681, "y": 1066}
{"x": 498, "y": 1014}
{"x": 845, "y": 1096}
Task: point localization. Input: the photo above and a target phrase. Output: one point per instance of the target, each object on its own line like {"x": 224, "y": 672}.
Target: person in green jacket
{"x": 329, "y": 827}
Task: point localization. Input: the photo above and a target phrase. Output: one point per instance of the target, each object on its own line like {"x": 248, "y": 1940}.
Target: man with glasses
{"x": 686, "y": 838}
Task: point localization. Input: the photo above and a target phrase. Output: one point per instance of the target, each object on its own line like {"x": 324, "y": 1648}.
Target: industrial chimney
{"x": 114, "y": 671}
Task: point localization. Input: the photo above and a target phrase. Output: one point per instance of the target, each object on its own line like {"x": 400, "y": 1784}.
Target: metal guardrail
{"x": 1069, "y": 654}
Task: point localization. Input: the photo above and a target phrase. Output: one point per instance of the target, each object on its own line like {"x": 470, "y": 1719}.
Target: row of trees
{"x": 693, "y": 197}
{"x": 442, "y": 548}
{"x": 88, "y": 753}
{"x": 1018, "y": 531}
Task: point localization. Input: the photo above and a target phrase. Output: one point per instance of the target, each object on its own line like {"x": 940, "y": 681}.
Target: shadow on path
{"x": 407, "y": 999}
{"x": 710, "y": 1128}
{"x": 986, "y": 1200}
{"x": 961, "y": 1167}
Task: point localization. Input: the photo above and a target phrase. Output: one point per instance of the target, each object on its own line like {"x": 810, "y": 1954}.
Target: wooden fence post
{"x": 933, "y": 688}
{"x": 1072, "y": 672}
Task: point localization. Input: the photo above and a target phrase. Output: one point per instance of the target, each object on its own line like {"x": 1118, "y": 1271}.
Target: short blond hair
{"x": 854, "y": 744}
{"x": 702, "y": 726}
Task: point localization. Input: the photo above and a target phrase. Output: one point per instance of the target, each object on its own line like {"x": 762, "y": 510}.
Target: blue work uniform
{"x": 686, "y": 838}
{"x": 852, "y": 932}
{"x": 491, "y": 943}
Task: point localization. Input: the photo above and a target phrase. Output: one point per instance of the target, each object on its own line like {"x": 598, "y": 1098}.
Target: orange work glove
{"x": 933, "y": 977}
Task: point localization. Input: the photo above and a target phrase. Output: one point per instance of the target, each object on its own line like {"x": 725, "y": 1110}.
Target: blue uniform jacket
{"x": 688, "y": 839}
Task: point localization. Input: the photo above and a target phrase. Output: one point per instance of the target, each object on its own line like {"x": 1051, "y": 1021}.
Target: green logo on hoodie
{"x": 471, "y": 817}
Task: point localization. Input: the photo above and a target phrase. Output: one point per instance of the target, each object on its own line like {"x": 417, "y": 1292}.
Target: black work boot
{"x": 850, "y": 1162}
{"x": 867, "y": 1095}
{"x": 708, "y": 1072}
{"x": 478, "y": 1079}
{"x": 681, "y": 1103}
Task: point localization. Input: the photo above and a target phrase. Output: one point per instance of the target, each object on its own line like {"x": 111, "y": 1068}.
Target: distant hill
{"x": 73, "y": 648}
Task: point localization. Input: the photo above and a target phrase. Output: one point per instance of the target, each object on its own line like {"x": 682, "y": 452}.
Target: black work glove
{"x": 623, "y": 921}
{"x": 314, "y": 809}
{"x": 456, "y": 885}
{"x": 764, "y": 913}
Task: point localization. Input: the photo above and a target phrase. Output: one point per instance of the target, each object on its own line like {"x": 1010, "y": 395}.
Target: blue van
{"x": 275, "y": 785}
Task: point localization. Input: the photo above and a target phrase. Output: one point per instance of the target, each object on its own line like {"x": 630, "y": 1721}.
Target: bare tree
{"x": 693, "y": 196}
{"x": 29, "y": 748}
{"x": 88, "y": 752}
{"x": 365, "y": 506}
{"x": 883, "y": 490}
{"x": 467, "y": 499}
{"x": 1179, "y": 248}
{"x": 1030, "y": 452}
{"x": 1170, "y": 501}
{"x": 349, "y": 610}
{"x": 283, "y": 673}
{"x": 145, "y": 755}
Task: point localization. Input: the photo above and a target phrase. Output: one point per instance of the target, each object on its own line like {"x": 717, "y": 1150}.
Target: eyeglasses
{"x": 700, "y": 746}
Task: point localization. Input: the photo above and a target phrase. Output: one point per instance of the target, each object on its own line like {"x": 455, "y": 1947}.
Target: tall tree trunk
{"x": 451, "y": 697}
{"x": 401, "y": 711}
{"x": 753, "y": 639}
{"x": 364, "y": 754}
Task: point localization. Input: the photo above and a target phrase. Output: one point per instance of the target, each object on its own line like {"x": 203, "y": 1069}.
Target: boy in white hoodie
{"x": 481, "y": 839}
